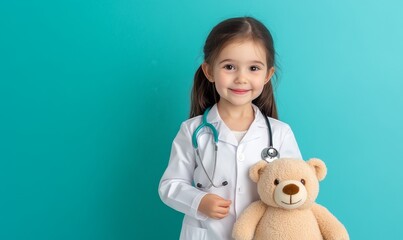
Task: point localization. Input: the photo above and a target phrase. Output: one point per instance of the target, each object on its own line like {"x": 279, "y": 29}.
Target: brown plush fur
{"x": 287, "y": 210}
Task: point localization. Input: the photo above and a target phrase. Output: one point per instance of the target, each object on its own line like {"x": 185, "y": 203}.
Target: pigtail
{"x": 203, "y": 94}
{"x": 266, "y": 101}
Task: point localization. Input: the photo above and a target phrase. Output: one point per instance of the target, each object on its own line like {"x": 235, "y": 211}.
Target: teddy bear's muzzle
{"x": 290, "y": 194}
{"x": 291, "y": 189}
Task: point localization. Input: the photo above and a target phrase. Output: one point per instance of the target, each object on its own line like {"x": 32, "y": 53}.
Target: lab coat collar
{"x": 257, "y": 129}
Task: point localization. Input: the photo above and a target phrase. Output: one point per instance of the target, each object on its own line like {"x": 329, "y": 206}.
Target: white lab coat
{"x": 177, "y": 186}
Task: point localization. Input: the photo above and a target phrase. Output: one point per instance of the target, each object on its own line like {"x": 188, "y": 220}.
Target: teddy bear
{"x": 287, "y": 209}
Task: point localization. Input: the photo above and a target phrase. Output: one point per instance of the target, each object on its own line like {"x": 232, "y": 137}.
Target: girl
{"x": 207, "y": 178}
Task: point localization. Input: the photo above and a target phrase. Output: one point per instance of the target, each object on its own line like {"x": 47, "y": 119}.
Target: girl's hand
{"x": 214, "y": 206}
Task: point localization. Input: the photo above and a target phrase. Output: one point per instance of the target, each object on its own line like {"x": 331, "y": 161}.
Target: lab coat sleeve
{"x": 175, "y": 188}
{"x": 289, "y": 146}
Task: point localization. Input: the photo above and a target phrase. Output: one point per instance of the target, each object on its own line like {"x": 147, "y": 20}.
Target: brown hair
{"x": 204, "y": 94}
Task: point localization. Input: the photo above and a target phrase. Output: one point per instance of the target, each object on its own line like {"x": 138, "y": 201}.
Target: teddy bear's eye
{"x": 276, "y": 182}
{"x": 303, "y": 181}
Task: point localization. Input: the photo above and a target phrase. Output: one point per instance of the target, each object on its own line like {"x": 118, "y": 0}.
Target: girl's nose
{"x": 241, "y": 78}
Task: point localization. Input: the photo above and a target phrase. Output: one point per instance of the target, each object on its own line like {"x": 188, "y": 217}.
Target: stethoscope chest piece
{"x": 270, "y": 154}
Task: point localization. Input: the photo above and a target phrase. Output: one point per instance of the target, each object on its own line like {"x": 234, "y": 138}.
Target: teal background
{"x": 93, "y": 92}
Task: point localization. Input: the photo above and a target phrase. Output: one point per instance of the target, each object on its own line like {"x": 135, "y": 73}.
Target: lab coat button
{"x": 241, "y": 157}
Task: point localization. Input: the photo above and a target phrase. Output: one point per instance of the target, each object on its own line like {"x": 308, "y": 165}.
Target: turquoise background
{"x": 93, "y": 92}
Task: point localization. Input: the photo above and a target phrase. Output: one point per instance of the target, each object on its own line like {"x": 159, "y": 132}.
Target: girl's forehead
{"x": 246, "y": 50}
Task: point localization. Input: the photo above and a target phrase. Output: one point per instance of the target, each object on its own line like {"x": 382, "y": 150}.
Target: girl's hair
{"x": 204, "y": 94}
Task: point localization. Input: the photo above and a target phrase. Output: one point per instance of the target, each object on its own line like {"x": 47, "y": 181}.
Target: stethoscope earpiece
{"x": 225, "y": 183}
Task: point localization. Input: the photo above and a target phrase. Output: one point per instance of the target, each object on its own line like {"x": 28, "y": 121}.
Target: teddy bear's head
{"x": 288, "y": 183}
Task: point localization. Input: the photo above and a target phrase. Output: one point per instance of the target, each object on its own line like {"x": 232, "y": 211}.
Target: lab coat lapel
{"x": 224, "y": 133}
{"x": 258, "y": 127}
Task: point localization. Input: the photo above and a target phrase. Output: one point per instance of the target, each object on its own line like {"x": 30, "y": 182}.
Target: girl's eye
{"x": 254, "y": 68}
{"x": 229, "y": 67}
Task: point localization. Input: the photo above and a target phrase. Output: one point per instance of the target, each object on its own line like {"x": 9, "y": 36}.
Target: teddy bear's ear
{"x": 256, "y": 170}
{"x": 319, "y": 166}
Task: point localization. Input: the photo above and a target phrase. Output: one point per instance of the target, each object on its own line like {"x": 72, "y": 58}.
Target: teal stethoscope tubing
{"x": 202, "y": 125}
{"x": 268, "y": 154}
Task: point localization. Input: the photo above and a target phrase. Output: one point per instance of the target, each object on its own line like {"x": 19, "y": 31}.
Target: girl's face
{"x": 239, "y": 73}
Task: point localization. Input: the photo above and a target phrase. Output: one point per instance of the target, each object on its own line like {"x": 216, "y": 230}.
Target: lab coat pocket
{"x": 193, "y": 233}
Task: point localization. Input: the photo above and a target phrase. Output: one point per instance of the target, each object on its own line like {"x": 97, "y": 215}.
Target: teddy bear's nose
{"x": 291, "y": 189}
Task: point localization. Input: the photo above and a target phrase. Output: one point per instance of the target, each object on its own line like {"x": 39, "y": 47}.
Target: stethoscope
{"x": 268, "y": 154}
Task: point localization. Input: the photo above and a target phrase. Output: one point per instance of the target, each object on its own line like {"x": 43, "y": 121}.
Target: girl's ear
{"x": 270, "y": 74}
{"x": 207, "y": 70}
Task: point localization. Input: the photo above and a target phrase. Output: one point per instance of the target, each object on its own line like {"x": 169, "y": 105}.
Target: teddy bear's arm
{"x": 330, "y": 227}
{"x": 245, "y": 226}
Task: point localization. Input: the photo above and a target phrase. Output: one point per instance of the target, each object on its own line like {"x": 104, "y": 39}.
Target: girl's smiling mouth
{"x": 239, "y": 91}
